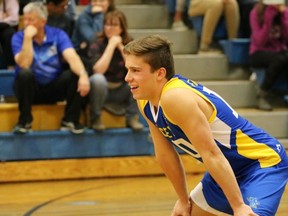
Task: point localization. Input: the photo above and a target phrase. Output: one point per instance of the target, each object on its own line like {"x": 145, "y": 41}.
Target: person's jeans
{"x": 100, "y": 96}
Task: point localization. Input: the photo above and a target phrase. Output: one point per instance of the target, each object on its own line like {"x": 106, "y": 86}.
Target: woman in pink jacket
{"x": 268, "y": 48}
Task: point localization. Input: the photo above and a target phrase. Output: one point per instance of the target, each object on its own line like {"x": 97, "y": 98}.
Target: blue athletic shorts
{"x": 261, "y": 190}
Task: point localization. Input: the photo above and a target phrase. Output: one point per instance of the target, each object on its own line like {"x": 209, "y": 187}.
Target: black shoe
{"x": 21, "y": 128}
{"x": 74, "y": 127}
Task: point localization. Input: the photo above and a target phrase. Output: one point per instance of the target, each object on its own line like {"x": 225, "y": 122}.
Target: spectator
{"x": 9, "y": 18}
{"x": 40, "y": 52}
{"x": 71, "y": 9}
{"x": 177, "y": 12}
{"x": 212, "y": 10}
{"x": 22, "y": 4}
{"x": 245, "y": 7}
{"x": 108, "y": 87}
{"x": 90, "y": 21}
{"x": 268, "y": 47}
{"x": 57, "y": 16}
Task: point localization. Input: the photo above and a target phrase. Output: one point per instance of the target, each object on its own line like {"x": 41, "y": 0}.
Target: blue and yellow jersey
{"x": 243, "y": 144}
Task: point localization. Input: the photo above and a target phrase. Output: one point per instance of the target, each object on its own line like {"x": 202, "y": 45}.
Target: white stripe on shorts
{"x": 198, "y": 198}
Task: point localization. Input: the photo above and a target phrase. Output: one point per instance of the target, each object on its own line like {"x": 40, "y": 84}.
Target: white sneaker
{"x": 179, "y": 26}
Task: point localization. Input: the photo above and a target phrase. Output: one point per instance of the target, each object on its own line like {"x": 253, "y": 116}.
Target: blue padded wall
{"x": 64, "y": 145}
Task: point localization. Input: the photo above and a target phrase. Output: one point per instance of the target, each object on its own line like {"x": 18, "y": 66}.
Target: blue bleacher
{"x": 43, "y": 145}
{"x": 6, "y": 82}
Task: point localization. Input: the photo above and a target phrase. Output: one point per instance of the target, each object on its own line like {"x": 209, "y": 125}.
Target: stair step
{"x": 202, "y": 67}
{"x": 184, "y": 42}
{"x": 125, "y": 2}
{"x": 274, "y": 122}
{"x": 145, "y": 16}
{"x": 239, "y": 94}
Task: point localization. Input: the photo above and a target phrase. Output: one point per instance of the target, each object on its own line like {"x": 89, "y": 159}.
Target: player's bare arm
{"x": 192, "y": 114}
{"x": 171, "y": 164}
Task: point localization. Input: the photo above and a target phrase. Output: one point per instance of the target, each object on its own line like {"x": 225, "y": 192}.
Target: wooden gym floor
{"x": 141, "y": 196}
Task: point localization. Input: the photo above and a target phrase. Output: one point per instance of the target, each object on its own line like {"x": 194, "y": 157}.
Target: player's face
{"x": 142, "y": 81}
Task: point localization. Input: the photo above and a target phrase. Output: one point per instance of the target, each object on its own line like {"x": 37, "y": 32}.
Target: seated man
{"x": 40, "y": 53}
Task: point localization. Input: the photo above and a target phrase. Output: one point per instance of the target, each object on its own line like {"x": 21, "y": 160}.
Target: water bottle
{"x": 2, "y": 98}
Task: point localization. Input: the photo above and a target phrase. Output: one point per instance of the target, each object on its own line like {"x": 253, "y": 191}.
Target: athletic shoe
{"x": 98, "y": 125}
{"x": 135, "y": 124}
{"x": 74, "y": 127}
{"x": 179, "y": 26}
{"x": 21, "y": 128}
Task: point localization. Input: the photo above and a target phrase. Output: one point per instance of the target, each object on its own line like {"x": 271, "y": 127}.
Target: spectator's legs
{"x": 232, "y": 18}
{"x": 122, "y": 99}
{"x": 212, "y": 11}
{"x": 73, "y": 98}
{"x": 25, "y": 88}
{"x": 170, "y": 4}
{"x": 64, "y": 88}
{"x": 97, "y": 96}
{"x": 275, "y": 63}
{"x": 245, "y": 10}
{"x": 178, "y": 19}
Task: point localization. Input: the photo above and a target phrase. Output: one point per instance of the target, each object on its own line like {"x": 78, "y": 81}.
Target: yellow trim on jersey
{"x": 248, "y": 148}
{"x": 176, "y": 83}
{"x": 142, "y": 104}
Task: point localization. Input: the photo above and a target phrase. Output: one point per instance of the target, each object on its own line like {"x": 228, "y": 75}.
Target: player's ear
{"x": 161, "y": 73}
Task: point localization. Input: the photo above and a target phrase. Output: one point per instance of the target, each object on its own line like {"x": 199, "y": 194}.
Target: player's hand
{"x": 244, "y": 210}
{"x": 181, "y": 208}
{"x": 30, "y": 31}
